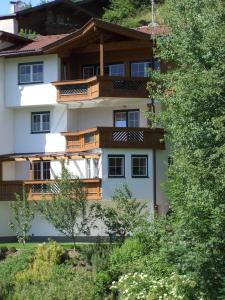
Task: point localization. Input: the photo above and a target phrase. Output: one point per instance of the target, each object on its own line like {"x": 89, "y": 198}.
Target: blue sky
{"x": 5, "y": 6}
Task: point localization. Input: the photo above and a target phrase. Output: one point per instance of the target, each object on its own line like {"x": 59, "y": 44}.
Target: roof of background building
{"x": 156, "y": 30}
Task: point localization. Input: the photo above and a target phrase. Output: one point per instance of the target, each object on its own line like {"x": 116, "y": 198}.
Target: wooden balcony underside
{"x": 100, "y": 87}
{"x": 37, "y": 189}
{"x": 114, "y": 137}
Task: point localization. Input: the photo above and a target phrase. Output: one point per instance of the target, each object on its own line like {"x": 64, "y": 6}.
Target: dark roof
{"x": 35, "y": 46}
{"x": 69, "y": 3}
{"x": 14, "y": 38}
{"x": 50, "y": 43}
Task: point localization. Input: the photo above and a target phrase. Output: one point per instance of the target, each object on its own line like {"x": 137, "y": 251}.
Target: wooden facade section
{"x": 37, "y": 189}
{"x": 100, "y": 87}
{"x": 114, "y": 137}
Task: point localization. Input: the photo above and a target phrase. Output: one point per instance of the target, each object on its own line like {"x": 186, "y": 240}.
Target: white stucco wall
{"x": 80, "y": 119}
{"x": 39, "y": 226}
{"x": 141, "y": 188}
{"x": 6, "y": 117}
{"x": 26, "y": 142}
{"x": 9, "y": 25}
{"x": 31, "y": 94}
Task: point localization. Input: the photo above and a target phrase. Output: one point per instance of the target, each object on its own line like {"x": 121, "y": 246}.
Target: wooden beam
{"x": 117, "y": 46}
{"x": 102, "y": 55}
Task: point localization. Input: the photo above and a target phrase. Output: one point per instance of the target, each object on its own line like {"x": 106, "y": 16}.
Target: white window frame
{"x": 146, "y": 166}
{"x": 31, "y": 73}
{"x": 41, "y": 115}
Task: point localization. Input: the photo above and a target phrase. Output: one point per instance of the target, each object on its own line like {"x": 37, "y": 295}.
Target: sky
{"x": 5, "y": 6}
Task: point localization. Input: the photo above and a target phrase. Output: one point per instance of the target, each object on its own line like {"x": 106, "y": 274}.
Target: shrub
{"x": 46, "y": 256}
{"x": 143, "y": 286}
{"x": 8, "y": 270}
{"x": 64, "y": 282}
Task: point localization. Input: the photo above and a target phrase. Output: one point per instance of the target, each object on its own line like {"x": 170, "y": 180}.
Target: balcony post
{"x": 30, "y": 174}
{"x": 102, "y": 55}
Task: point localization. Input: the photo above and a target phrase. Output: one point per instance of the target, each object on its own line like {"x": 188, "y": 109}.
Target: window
{"x": 41, "y": 170}
{"x": 139, "y": 165}
{"x": 40, "y": 122}
{"x": 126, "y": 118}
{"x": 88, "y": 71}
{"x": 140, "y": 69}
{"x": 110, "y": 70}
{"x": 114, "y": 70}
{"x": 31, "y": 73}
{"x": 116, "y": 166}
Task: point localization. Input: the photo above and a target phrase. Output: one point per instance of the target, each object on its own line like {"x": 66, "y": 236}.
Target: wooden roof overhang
{"x": 47, "y": 156}
{"x": 13, "y": 38}
{"x": 93, "y": 31}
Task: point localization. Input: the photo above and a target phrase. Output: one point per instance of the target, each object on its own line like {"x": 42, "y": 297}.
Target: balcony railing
{"x": 39, "y": 190}
{"x": 101, "y": 86}
{"x": 114, "y": 137}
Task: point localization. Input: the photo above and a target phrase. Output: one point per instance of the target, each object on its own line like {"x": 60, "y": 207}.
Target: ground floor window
{"x": 139, "y": 166}
{"x": 116, "y": 166}
{"x": 41, "y": 171}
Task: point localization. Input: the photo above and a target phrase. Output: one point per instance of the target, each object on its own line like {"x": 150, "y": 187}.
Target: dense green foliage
{"x": 128, "y": 12}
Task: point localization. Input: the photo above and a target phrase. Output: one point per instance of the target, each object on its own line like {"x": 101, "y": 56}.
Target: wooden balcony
{"x": 114, "y": 137}
{"x": 38, "y": 189}
{"x": 100, "y": 87}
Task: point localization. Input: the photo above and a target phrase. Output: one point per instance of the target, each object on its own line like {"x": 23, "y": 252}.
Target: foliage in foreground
{"x": 68, "y": 210}
{"x": 23, "y": 213}
{"x": 125, "y": 213}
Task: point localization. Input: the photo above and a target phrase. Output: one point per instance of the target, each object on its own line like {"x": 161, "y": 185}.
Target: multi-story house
{"x": 80, "y": 98}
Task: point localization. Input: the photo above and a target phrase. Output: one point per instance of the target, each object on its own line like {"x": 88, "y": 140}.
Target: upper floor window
{"x": 140, "y": 69}
{"x": 114, "y": 70}
{"x": 31, "y": 73}
{"x": 110, "y": 70}
{"x": 40, "y": 122}
{"x": 126, "y": 118}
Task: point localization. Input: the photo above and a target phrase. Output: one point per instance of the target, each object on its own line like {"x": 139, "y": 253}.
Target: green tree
{"x": 68, "y": 209}
{"x": 123, "y": 215}
{"x": 23, "y": 212}
{"x": 120, "y": 12}
{"x": 192, "y": 93}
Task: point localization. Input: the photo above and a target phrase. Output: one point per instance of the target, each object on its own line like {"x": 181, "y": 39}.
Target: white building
{"x": 79, "y": 98}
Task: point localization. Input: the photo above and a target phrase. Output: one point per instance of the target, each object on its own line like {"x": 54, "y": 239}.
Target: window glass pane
{"x": 133, "y": 118}
{"x": 38, "y": 73}
{"x": 140, "y": 69}
{"x": 46, "y": 122}
{"x": 24, "y": 74}
{"x": 46, "y": 170}
{"x": 37, "y": 171}
{"x": 36, "y": 123}
{"x": 120, "y": 119}
{"x": 88, "y": 72}
{"x": 116, "y": 70}
{"x": 139, "y": 166}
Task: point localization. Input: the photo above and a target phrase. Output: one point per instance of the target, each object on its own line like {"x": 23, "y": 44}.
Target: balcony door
{"x": 127, "y": 118}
